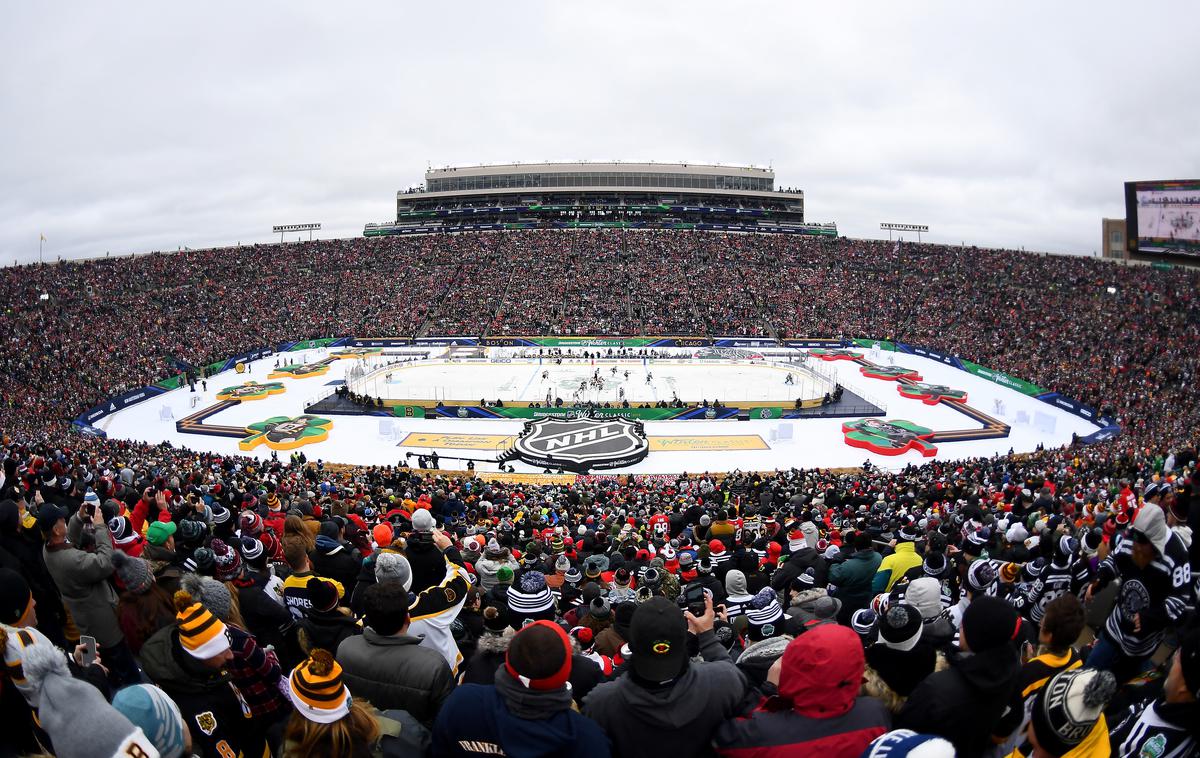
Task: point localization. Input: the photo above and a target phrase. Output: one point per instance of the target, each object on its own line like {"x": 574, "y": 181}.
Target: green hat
{"x": 158, "y": 532}
{"x": 504, "y": 574}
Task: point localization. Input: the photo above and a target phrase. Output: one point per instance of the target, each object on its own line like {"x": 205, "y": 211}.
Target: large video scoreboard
{"x": 1163, "y": 217}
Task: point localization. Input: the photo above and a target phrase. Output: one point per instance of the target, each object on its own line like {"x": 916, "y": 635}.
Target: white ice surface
{"x": 815, "y": 443}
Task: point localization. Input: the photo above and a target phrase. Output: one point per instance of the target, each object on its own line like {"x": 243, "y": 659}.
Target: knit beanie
{"x": 529, "y": 599}
{"x": 925, "y": 594}
{"x": 989, "y": 622}
{"x": 599, "y": 609}
{"x": 15, "y": 596}
{"x": 905, "y": 743}
{"x": 322, "y": 594}
{"x": 75, "y": 715}
{"x": 562, "y": 563}
{"x": 1066, "y": 710}
{"x": 382, "y": 534}
{"x": 317, "y": 689}
{"x": 201, "y": 634}
{"x": 764, "y": 614}
{"x": 981, "y": 575}
{"x": 250, "y": 524}
{"x": 391, "y": 566}
{"x": 253, "y": 552}
{"x": 863, "y": 622}
{"x": 133, "y": 573}
{"x": 539, "y": 656}
{"x": 422, "y": 521}
{"x": 504, "y": 575}
{"x": 495, "y": 619}
{"x": 155, "y": 713}
{"x": 227, "y": 564}
{"x": 212, "y": 594}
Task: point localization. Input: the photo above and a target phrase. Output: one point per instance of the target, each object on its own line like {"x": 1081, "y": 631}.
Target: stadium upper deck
{"x": 582, "y": 194}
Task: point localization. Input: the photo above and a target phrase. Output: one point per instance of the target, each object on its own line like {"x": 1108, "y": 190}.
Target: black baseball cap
{"x": 48, "y": 515}
{"x": 658, "y": 640}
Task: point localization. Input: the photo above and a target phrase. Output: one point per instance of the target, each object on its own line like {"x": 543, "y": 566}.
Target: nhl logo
{"x": 580, "y": 444}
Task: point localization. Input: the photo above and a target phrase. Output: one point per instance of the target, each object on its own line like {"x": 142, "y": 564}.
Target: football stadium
{"x": 592, "y": 458}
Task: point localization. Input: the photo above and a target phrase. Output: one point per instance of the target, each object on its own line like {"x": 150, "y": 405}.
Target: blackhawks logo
{"x": 889, "y": 437}
{"x": 250, "y": 391}
{"x": 835, "y": 354}
{"x": 299, "y": 370}
{"x": 931, "y": 394}
{"x": 287, "y": 432}
{"x": 347, "y": 353}
{"x": 889, "y": 373}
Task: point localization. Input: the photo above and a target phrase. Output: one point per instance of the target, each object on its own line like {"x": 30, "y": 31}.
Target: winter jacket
{"x": 895, "y": 566}
{"x": 509, "y": 719}
{"x": 396, "y": 673}
{"x": 400, "y": 736}
{"x": 797, "y": 563}
{"x": 676, "y": 720}
{"x": 487, "y": 567}
{"x": 82, "y": 580}
{"x": 853, "y": 578}
{"x": 489, "y": 655}
{"x": 964, "y": 702}
{"x": 208, "y": 700}
{"x": 435, "y": 609}
{"x": 818, "y": 710}
{"x": 758, "y": 657}
{"x": 337, "y": 561}
{"x": 326, "y": 629}
{"x": 1156, "y": 729}
{"x": 1161, "y": 594}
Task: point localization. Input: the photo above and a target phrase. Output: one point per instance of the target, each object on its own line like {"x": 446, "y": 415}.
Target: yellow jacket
{"x": 895, "y": 566}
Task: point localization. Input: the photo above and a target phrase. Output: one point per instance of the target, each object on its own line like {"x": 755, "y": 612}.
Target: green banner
{"x": 170, "y": 383}
{"x": 311, "y": 344}
{"x": 408, "y": 411}
{"x": 773, "y": 411}
{"x": 645, "y": 414}
{"x": 1003, "y": 379}
{"x": 883, "y": 344}
{"x": 594, "y": 341}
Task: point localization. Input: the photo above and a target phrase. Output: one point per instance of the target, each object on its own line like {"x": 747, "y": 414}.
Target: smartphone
{"x": 89, "y": 653}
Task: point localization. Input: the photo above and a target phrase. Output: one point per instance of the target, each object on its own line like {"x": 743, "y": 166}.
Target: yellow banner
{"x": 708, "y": 442}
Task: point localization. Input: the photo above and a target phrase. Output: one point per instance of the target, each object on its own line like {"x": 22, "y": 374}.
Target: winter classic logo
{"x": 931, "y": 394}
{"x": 299, "y": 370}
{"x": 284, "y": 433}
{"x": 250, "y": 391}
{"x": 889, "y": 437}
{"x": 581, "y": 444}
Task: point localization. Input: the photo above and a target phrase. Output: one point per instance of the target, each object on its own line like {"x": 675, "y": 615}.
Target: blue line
{"x": 532, "y": 376}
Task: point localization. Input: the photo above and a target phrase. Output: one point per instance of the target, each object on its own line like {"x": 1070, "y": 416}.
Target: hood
{"x": 990, "y": 672}
{"x": 735, "y": 583}
{"x": 494, "y": 643}
{"x": 764, "y": 652}
{"x": 822, "y": 671}
{"x": 548, "y": 728}
{"x": 906, "y": 547}
{"x": 328, "y": 545}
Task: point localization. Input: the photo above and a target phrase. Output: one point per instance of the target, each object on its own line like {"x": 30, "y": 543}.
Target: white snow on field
{"x": 813, "y": 443}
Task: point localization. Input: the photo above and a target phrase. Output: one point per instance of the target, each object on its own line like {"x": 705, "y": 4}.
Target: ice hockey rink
{"x": 683, "y": 446}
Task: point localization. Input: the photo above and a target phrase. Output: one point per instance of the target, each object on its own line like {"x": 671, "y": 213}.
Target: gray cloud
{"x": 139, "y": 126}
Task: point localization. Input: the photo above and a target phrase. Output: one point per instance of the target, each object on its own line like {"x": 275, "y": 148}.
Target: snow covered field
{"x": 812, "y": 443}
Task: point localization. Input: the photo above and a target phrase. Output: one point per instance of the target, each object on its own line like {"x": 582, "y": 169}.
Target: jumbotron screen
{"x": 1164, "y": 216}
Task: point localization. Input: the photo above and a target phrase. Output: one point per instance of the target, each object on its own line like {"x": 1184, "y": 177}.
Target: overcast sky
{"x": 137, "y": 126}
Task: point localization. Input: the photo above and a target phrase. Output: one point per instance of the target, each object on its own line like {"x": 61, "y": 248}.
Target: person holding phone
{"x": 83, "y": 580}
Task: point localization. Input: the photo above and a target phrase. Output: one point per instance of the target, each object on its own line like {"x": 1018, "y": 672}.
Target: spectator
{"x": 818, "y": 708}
{"x": 388, "y": 666}
{"x": 964, "y": 702}
{"x": 664, "y": 702}
{"x": 528, "y": 709}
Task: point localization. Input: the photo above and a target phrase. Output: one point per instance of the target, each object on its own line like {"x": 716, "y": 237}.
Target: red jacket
{"x": 817, "y": 711}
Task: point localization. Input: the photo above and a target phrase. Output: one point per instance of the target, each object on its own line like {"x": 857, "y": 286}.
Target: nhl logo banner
{"x": 581, "y": 444}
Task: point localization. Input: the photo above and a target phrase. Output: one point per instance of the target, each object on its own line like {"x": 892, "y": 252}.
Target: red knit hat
{"x": 539, "y": 656}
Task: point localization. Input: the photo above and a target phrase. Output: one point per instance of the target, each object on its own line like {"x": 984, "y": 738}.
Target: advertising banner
{"x": 382, "y": 341}
{"x": 1003, "y": 379}
{"x": 114, "y": 404}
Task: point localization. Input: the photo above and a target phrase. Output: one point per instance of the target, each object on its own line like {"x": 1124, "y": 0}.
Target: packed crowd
{"x": 158, "y": 602}
{"x": 1117, "y": 338}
